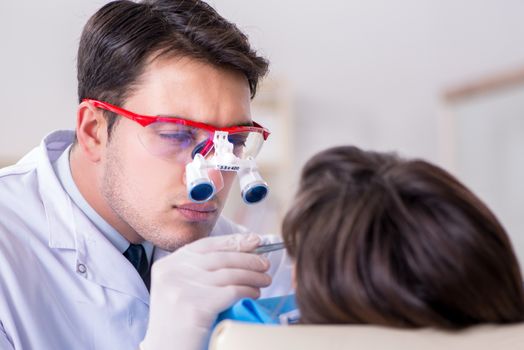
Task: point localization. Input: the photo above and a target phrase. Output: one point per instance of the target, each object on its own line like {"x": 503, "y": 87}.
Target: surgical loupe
{"x": 200, "y": 188}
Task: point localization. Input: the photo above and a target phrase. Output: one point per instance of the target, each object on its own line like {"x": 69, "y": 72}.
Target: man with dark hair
{"x": 87, "y": 215}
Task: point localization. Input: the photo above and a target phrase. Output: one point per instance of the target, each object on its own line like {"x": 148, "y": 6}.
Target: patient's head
{"x": 381, "y": 240}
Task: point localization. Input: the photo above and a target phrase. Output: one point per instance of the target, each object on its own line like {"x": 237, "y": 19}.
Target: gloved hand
{"x": 195, "y": 283}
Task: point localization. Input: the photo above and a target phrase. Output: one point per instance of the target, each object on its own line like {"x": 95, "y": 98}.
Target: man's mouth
{"x": 197, "y": 211}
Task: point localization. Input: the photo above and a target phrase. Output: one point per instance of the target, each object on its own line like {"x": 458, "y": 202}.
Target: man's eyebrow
{"x": 250, "y": 123}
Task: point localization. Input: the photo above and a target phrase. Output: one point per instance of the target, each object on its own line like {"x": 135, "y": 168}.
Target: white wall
{"x": 37, "y": 64}
{"x": 374, "y": 69}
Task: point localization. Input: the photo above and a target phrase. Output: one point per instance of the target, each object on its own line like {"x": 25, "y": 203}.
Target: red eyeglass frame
{"x": 146, "y": 120}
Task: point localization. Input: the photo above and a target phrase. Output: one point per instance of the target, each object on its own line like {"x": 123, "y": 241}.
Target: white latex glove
{"x": 192, "y": 285}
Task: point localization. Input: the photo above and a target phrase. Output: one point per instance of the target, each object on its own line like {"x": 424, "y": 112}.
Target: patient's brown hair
{"x": 381, "y": 240}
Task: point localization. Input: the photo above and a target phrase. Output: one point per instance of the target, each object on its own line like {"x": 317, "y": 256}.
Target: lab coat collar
{"x": 57, "y": 204}
{"x": 69, "y": 228}
{"x": 104, "y": 264}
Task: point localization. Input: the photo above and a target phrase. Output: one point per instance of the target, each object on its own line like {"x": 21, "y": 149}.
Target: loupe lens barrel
{"x": 201, "y": 192}
{"x": 200, "y": 188}
{"x": 255, "y": 193}
{"x": 252, "y": 187}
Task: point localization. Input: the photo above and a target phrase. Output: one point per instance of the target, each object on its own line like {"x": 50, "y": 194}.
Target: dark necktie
{"x": 136, "y": 254}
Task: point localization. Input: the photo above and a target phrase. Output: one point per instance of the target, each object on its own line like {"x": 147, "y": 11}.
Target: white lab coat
{"x": 63, "y": 285}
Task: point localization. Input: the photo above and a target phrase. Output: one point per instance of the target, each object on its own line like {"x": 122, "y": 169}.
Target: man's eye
{"x": 182, "y": 138}
{"x": 237, "y": 140}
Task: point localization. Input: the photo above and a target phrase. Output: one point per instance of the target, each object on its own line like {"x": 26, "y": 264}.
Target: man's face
{"x": 148, "y": 192}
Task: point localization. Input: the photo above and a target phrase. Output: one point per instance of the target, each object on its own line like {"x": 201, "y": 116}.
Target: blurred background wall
{"x": 372, "y": 73}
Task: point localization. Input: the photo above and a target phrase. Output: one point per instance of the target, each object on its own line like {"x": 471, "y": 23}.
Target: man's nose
{"x": 216, "y": 177}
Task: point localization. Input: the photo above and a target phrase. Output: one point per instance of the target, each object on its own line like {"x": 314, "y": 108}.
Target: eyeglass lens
{"x": 181, "y": 142}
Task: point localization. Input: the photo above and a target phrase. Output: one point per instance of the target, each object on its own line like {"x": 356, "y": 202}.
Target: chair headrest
{"x": 230, "y": 335}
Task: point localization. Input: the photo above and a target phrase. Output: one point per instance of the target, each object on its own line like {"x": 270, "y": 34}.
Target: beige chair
{"x": 230, "y": 335}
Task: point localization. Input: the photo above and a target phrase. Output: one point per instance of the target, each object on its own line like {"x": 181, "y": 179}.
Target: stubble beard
{"x": 119, "y": 194}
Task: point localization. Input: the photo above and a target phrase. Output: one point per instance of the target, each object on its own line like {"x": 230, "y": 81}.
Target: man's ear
{"x": 91, "y": 131}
